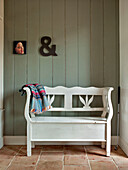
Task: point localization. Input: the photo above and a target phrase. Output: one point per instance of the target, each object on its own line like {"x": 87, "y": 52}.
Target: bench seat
{"x": 68, "y": 119}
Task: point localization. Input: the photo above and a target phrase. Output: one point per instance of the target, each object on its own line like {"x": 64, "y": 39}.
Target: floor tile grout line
{"x": 114, "y": 163}
{"x": 52, "y": 151}
{"x": 14, "y": 158}
{"x": 76, "y": 165}
{"x": 97, "y": 160}
{"x": 87, "y": 158}
{"x": 77, "y": 155}
{"x": 38, "y": 159}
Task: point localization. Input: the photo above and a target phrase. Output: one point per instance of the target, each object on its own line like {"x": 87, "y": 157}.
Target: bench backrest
{"x": 89, "y": 91}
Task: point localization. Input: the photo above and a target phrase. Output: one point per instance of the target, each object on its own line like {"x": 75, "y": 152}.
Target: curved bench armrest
{"x": 26, "y": 110}
{"x": 110, "y": 111}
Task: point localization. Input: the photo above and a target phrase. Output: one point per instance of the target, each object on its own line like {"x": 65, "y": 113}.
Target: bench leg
{"x": 29, "y": 148}
{"x": 108, "y": 139}
{"x": 28, "y": 140}
{"x": 33, "y": 144}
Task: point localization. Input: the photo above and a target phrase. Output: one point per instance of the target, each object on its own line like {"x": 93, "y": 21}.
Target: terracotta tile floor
{"x": 62, "y": 158}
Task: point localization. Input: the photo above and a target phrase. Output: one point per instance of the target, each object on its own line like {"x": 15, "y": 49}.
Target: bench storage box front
{"x": 71, "y": 129}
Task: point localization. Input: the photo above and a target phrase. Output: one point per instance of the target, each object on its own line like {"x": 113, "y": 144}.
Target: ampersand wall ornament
{"x": 45, "y": 41}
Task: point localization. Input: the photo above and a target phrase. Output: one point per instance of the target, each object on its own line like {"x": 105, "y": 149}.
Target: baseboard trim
{"x": 124, "y": 145}
{"x": 22, "y": 140}
{"x": 1, "y": 142}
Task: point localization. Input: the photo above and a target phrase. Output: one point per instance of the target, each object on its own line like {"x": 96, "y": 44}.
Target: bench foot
{"x": 29, "y": 152}
{"x": 108, "y": 154}
{"x": 108, "y": 139}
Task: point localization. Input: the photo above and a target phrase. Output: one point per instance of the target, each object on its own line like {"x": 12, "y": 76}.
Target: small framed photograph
{"x": 19, "y": 47}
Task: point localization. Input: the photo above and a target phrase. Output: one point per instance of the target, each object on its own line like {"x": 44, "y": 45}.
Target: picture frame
{"x": 19, "y": 47}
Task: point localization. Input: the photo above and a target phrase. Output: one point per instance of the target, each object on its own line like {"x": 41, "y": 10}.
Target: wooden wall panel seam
{"x": 14, "y": 67}
{"x": 27, "y": 41}
{"x": 90, "y": 40}
{"x": 65, "y": 36}
{"x": 103, "y": 43}
{"x": 39, "y": 43}
{"x": 52, "y": 35}
{"x": 77, "y": 45}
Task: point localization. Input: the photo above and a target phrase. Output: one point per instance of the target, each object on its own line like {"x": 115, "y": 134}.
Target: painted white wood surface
{"x": 70, "y": 131}
{"x": 123, "y": 20}
{"x": 71, "y": 128}
{"x": 68, "y": 120}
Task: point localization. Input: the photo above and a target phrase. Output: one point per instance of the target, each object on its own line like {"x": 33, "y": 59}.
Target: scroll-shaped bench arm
{"x": 26, "y": 110}
{"x": 110, "y": 111}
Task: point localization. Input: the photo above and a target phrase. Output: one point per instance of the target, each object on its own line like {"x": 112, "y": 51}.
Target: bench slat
{"x": 68, "y": 140}
{"x": 60, "y": 90}
{"x": 59, "y": 109}
{"x": 68, "y": 120}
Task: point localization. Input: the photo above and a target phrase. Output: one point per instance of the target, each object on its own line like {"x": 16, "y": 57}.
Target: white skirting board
{"x": 124, "y": 145}
{"x": 22, "y": 140}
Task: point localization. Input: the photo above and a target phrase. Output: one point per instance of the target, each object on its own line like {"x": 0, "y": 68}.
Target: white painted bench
{"x": 72, "y": 129}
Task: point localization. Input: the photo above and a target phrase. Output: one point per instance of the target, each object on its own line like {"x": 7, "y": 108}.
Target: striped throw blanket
{"x": 39, "y": 102}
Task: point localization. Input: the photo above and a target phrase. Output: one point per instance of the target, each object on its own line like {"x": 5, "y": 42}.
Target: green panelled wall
{"x": 86, "y": 36}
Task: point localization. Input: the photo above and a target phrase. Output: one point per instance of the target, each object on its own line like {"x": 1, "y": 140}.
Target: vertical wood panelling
{"x": 1, "y": 57}
{"x": 33, "y": 41}
{"x": 83, "y": 45}
{"x": 123, "y": 31}
{"x": 59, "y": 40}
{"x": 96, "y": 42}
{"x": 1, "y": 64}
{"x": 45, "y": 30}
{"x": 9, "y": 67}
{"x": 45, "y": 66}
{"x": 58, "y": 25}
{"x": 71, "y": 46}
{"x": 84, "y": 42}
{"x": 20, "y": 28}
{"x": 85, "y": 33}
{"x": 110, "y": 53}
{"x": 71, "y": 43}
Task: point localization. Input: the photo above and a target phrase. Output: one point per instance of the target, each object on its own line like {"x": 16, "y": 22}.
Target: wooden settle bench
{"x": 71, "y": 129}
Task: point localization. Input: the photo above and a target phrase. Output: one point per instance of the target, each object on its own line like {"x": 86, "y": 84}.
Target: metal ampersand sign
{"x": 45, "y": 41}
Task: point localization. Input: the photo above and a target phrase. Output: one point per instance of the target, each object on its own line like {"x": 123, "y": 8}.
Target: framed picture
{"x": 19, "y": 47}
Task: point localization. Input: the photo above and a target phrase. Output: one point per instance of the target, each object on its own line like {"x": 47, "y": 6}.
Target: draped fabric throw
{"x": 39, "y": 102}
